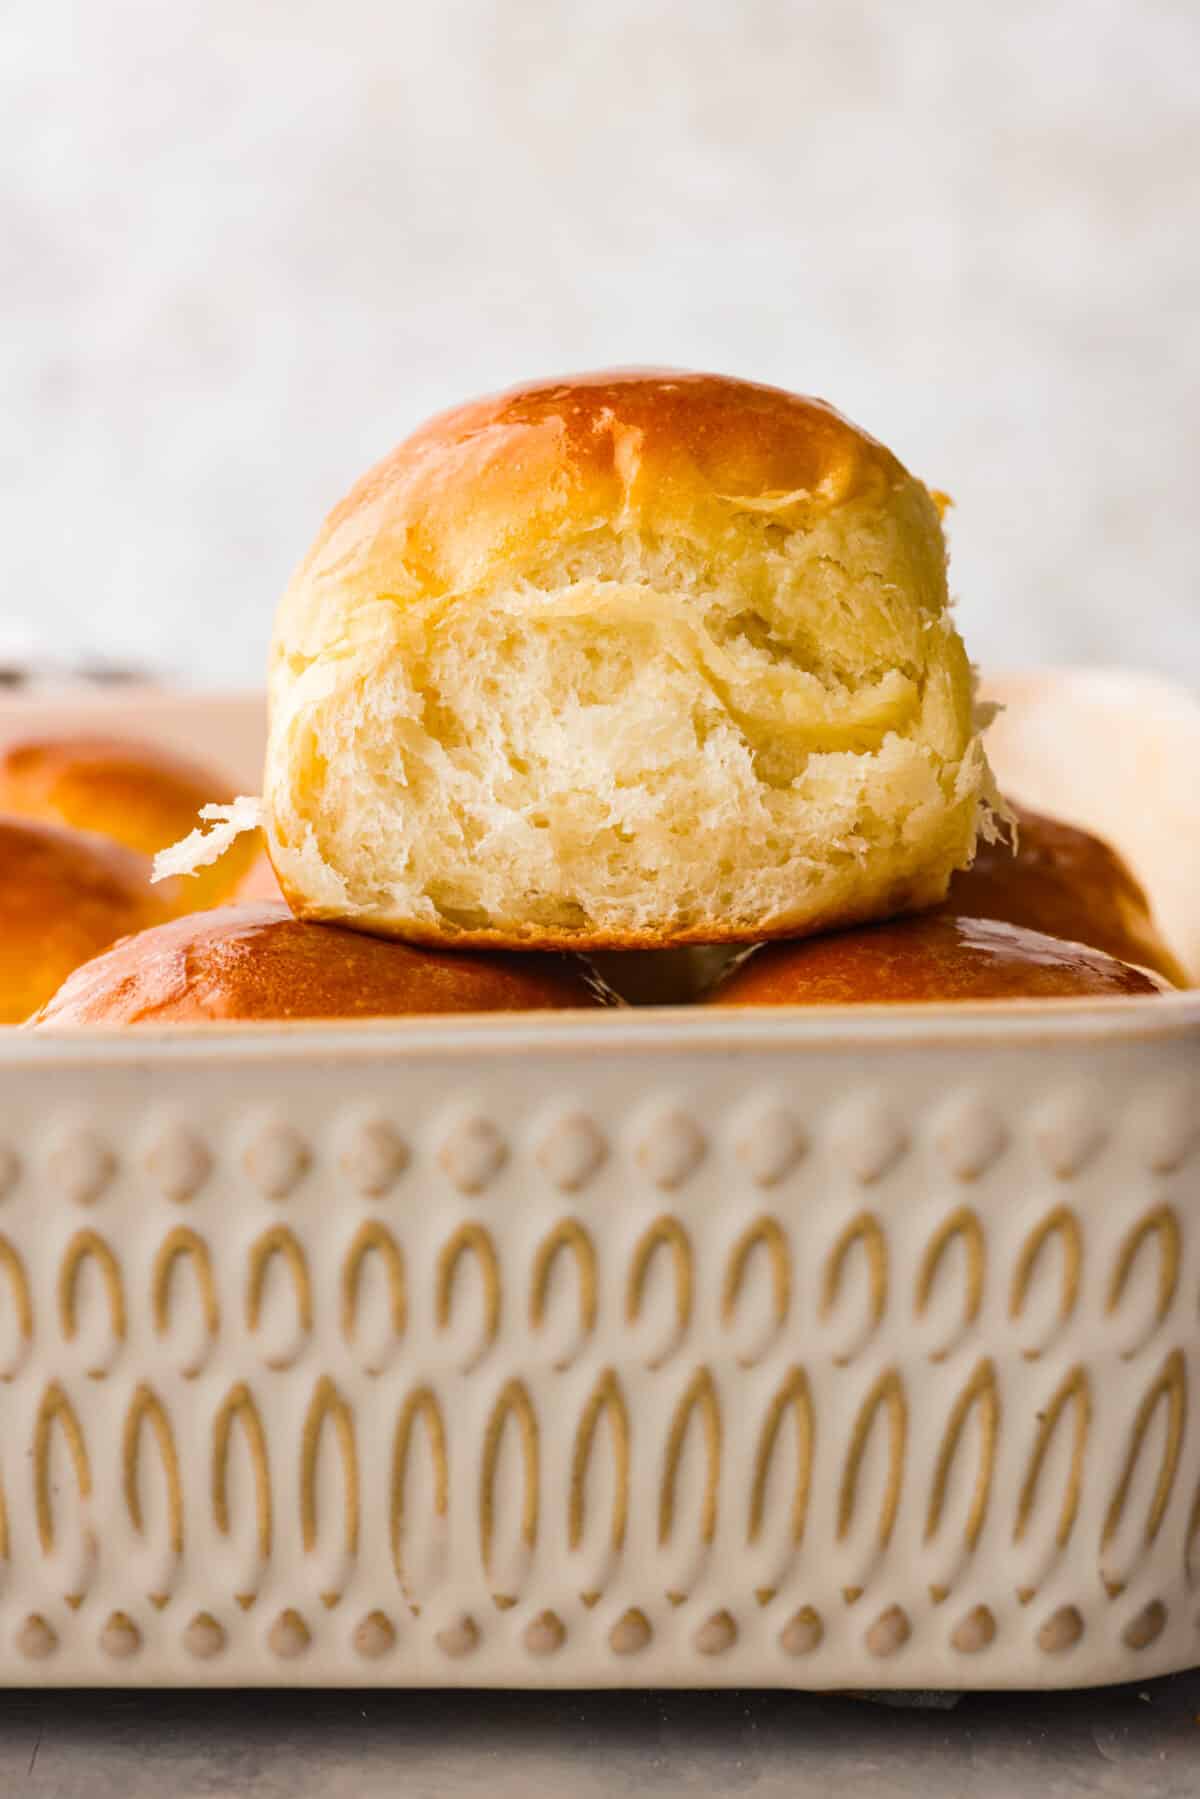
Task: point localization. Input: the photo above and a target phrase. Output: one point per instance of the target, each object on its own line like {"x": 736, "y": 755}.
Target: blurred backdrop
{"x": 245, "y": 245}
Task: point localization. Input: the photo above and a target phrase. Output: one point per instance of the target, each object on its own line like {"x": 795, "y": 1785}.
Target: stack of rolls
{"x": 627, "y": 667}
{"x": 87, "y": 938}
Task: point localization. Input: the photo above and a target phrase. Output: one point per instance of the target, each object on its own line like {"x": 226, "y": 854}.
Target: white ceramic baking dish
{"x": 853, "y": 1348}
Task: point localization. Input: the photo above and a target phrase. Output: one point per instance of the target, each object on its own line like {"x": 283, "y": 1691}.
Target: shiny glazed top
{"x": 926, "y": 958}
{"x": 1066, "y": 883}
{"x": 260, "y": 963}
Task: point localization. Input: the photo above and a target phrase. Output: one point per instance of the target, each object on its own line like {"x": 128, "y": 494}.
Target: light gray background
{"x": 246, "y": 244}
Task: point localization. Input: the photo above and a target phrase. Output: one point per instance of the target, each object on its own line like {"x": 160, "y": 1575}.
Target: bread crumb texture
{"x": 634, "y": 659}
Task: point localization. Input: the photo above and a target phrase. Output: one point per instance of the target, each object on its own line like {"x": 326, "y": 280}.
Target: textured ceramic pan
{"x": 854, "y": 1349}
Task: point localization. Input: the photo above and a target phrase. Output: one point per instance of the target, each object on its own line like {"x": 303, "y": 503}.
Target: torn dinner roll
{"x": 624, "y": 661}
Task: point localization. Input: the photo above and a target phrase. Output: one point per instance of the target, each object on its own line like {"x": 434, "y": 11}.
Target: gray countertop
{"x": 342, "y": 1745}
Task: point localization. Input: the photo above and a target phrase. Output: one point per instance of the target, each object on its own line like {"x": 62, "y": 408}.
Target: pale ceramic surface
{"x": 658, "y": 1349}
{"x": 246, "y": 247}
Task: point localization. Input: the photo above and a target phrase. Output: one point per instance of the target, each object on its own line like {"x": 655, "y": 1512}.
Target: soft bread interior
{"x": 633, "y": 737}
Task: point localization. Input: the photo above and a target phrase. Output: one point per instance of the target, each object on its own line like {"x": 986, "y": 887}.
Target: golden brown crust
{"x": 1069, "y": 884}
{"x": 932, "y": 958}
{"x": 259, "y": 963}
{"x": 499, "y": 477}
{"x": 138, "y": 794}
{"x": 64, "y": 897}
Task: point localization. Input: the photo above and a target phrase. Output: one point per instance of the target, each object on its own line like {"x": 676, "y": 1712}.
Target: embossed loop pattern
{"x": 788, "y": 1389}
{"x": 784, "y": 1423}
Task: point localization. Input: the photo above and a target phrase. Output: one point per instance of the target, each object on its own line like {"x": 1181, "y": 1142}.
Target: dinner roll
{"x": 625, "y": 661}
{"x": 258, "y": 962}
{"x": 929, "y": 958}
{"x": 64, "y": 896}
{"x": 136, "y": 793}
{"x": 1069, "y": 884}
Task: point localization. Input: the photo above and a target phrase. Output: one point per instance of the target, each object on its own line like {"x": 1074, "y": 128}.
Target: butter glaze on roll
{"x": 64, "y": 897}
{"x": 1069, "y": 884}
{"x": 930, "y": 958}
{"x": 260, "y": 963}
{"x": 138, "y": 794}
{"x": 625, "y": 661}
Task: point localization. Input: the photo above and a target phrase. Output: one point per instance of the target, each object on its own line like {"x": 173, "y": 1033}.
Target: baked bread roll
{"x": 259, "y": 963}
{"x": 64, "y": 896}
{"x": 626, "y": 661}
{"x": 138, "y": 794}
{"x": 929, "y": 958}
{"x": 1069, "y": 884}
